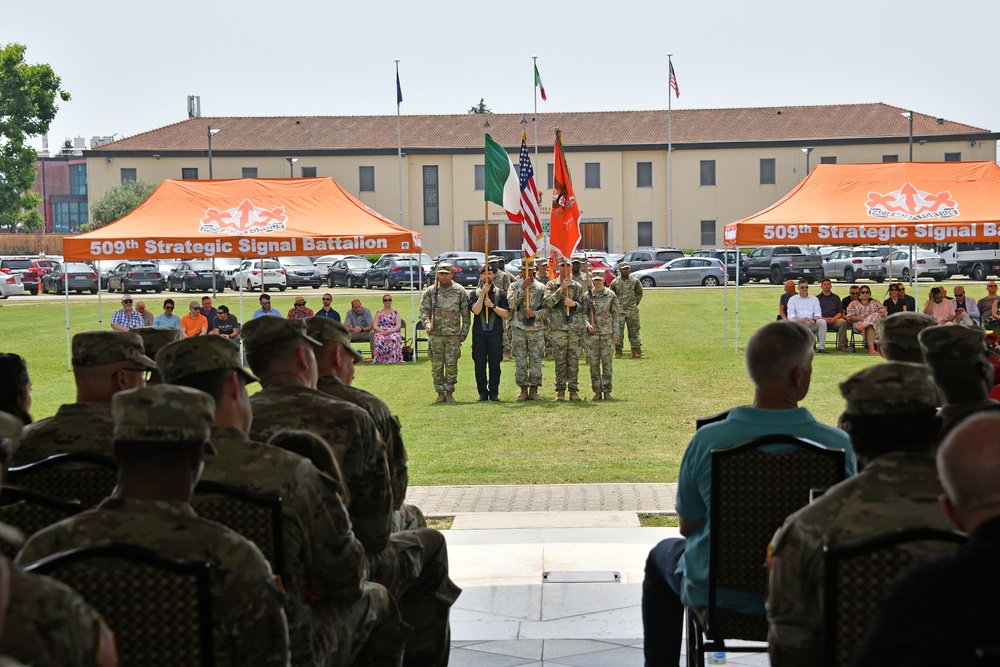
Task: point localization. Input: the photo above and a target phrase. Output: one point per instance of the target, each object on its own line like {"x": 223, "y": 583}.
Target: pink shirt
{"x": 942, "y": 312}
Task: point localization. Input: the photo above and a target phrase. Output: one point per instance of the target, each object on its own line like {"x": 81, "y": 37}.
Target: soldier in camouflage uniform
{"x": 160, "y": 436}
{"x": 104, "y": 363}
{"x": 890, "y": 417}
{"x": 542, "y": 276}
{"x": 897, "y": 336}
{"x": 155, "y": 339}
{"x": 444, "y": 310}
{"x": 335, "y": 361}
{"x": 333, "y": 612}
{"x": 562, "y": 299}
{"x": 960, "y": 364}
{"x": 578, "y": 275}
{"x": 629, "y": 292}
{"x": 526, "y": 312}
{"x": 601, "y": 307}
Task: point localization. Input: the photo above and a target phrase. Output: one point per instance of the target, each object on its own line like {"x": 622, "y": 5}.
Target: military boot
{"x": 574, "y": 396}
{"x": 637, "y": 353}
{"x": 449, "y": 397}
{"x": 618, "y": 353}
{"x": 523, "y": 396}
{"x": 597, "y": 397}
{"x": 533, "y": 394}
{"x": 440, "y": 398}
{"x": 607, "y": 396}
{"x": 561, "y": 395}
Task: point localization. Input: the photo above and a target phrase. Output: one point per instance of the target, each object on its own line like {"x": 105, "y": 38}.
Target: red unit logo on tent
{"x": 244, "y": 219}
{"x": 909, "y": 203}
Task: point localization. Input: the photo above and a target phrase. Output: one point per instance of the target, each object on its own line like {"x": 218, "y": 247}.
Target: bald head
{"x": 968, "y": 463}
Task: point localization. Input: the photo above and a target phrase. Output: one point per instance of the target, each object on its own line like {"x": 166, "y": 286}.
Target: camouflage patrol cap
{"x": 529, "y": 265}
{"x": 155, "y": 339}
{"x": 97, "y": 348}
{"x": 895, "y": 386}
{"x": 267, "y": 330}
{"x": 10, "y": 426}
{"x": 901, "y": 329}
{"x": 577, "y": 259}
{"x": 597, "y": 274}
{"x": 326, "y": 330}
{"x": 952, "y": 342}
{"x": 624, "y": 266}
{"x": 163, "y": 413}
{"x": 492, "y": 259}
{"x": 444, "y": 267}
{"x": 200, "y": 354}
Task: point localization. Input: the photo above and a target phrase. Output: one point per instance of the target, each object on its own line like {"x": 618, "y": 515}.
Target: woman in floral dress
{"x": 864, "y": 315}
{"x": 387, "y": 344}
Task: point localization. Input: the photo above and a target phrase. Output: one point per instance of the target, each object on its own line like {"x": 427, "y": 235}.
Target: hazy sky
{"x": 131, "y": 65}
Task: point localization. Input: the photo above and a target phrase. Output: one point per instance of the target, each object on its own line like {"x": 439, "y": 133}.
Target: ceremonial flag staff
{"x": 670, "y": 153}
{"x": 399, "y": 166}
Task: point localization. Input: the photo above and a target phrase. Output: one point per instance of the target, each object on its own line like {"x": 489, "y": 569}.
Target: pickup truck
{"x": 786, "y": 262}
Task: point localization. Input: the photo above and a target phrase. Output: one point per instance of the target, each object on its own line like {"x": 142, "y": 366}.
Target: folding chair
{"x": 753, "y": 492}
{"x": 711, "y": 419}
{"x": 29, "y": 511}
{"x": 83, "y": 476}
{"x": 420, "y": 336}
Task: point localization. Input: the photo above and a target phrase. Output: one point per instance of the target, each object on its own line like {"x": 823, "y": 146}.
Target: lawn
{"x": 688, "y": 371}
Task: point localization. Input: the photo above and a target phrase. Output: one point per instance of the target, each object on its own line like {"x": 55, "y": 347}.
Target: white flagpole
{"x": 670, "y": 157}
{"x": 412, "y": 326}
{"x": 534, "y": 87}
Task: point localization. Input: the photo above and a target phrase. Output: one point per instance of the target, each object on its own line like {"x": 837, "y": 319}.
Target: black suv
{"x": 23, "y": 267}
{"x": 728, "y": 257}
{"x": 649, "y": 258}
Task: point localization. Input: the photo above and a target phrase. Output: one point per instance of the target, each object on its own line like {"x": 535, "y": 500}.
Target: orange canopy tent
{"x": 894, "y": 203}
{"x": 245, "y": 218}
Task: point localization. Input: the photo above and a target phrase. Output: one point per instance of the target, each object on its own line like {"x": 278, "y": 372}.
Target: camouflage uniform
{"x": 629, "y": 292}
{"x": 451, "y": 326}
{"x": 600, "y": 344}
{"x": 48, "y": 624}
{"x": 528, "y": 339}
{"x": 564, "y": 331}
{"x": 155, "y": 339}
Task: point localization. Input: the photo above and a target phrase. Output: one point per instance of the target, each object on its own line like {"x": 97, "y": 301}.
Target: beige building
{"x": 727, "y": 163}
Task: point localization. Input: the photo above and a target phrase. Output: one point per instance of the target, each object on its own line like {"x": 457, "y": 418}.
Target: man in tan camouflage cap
{"x": 104, "y": 363}
{"x": 629, "y": 293}
{"x": 897, "y": 336}
{"x": 343, "y": 611}
{"x": 161, "y": 434}
{"x": 959, "y": 362}
{"x": 153, "y": 340}
{"x": 444, "y": 310}
{"x": 890, "y": 416}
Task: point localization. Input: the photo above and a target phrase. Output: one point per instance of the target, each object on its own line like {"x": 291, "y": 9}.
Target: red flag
{"x": 564, "y": 223}
{"x": 531, "y": 221}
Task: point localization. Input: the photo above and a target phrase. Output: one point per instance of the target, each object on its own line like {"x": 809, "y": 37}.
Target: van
{"x": 977, "y": 260}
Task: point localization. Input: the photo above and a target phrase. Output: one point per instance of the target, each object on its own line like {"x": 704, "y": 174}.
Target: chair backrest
{"x": 753, "y": 492}
{"x": 83, "y": 476}
{"x": 255, "y": 516}
{"x": 29, "y": 511}
{"x": 856, "y": 577}
{"x": 159, "y": 608}
{"x": 711, "y": 419}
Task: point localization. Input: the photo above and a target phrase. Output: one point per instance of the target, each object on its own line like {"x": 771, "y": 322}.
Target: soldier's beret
{"x": 267, "y": 330}
{"x": 97, "y": 348}
{"x": 163, "y": 414}
{"x": 895, "y": 386}
{"x": 155, "y": 339}
{"x": 902, "y": 329}
{"x": 445, "y": 267}
{"x": 326, "y": 330}
{"x": 952, "y": 342}
{"x": 200, "y": 354}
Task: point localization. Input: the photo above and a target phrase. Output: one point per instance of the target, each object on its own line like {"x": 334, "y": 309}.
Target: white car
{"x": 927, "y": 264}
{"x": 850, "y": 264}
{"x": 10, "y": 285}
{"x": 255, "y": 273}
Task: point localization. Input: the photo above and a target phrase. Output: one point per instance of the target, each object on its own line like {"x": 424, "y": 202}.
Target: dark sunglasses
{"x": 865, "y": 291}
{"x": 386, "y": 300}
{"x": 126, "y": 300}
{"x": 168, "y": 308}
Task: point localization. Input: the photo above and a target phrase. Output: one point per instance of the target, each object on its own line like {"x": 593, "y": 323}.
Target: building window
{"x": 890, "y": 158}
{"x": 767, "y": 171}
{"x": 249, "y": 172}
{"x": 708, "y": 232}
{"x": 129, "y": 174}
{"x": 366, "y": 179}
{"x": 592, "y": 175}
{"x": 828, "y": 159}
{"x": 708, "y": 172}
{"x": 432, "y": 212}
{"x": 78, "y": 179}
{"x": 643, "y": 174}
{"x": 189, "y": 173}
{"x": 645, "y": 235}
{"x": 479, "y": 177}
{"x": 551, "y": 175}
{"x": 952, "y": 157}
{"x": 67, "y": 216}
{"x": 308, "y": 172}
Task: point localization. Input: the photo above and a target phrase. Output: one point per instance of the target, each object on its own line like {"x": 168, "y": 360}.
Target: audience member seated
{"x": 987, "y": 307}
{"x": 318, "y": 452}
{"x": 155, "y": 339}
{"x": 895, "y": 303}
{"x": 167, "y": 318}
{"x": 327, "y": 309}
{"x": 208, "y": 311}
{"x": 965, "y": 306}
{"x": 299, "y": 311}
{"x": 147, "y": 316}
{"x": 161, "y": 434}
{"x": 852, "y": 295}
{"x": 805, "y": 310}
{"x": 15, "y": 387}
{"x": 783, "y": 301}
{"x": 226, "y": 325}
{"x": 909, "y": 301}
{"x": 359, "y": 322}
{"x": 265, "y": 309}
{"x": 387, "y": 343}
{"x": 104, "y": 363}
{"x": 942, "y": 309}
{"x": 890, "y": 417}
{"x": 959, "y": 361}
{"x": 833, "y": 313}
{"x": 194, "y": 323}
{"x": 126, "y": 318}
{"x": 940, "y": 612}
{"x": 864, "y": 315}
{"x": 779, "y": 363}
{"x": 897, "y": 336}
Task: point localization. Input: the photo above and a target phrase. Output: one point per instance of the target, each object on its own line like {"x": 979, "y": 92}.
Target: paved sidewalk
{"x": 437, "y": 501}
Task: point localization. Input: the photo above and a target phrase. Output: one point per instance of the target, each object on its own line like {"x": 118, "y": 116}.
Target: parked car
{"x": 779, "y": 263}
{"x": 598, "y": 264}
{"x": 137, "y": 276}
{"x": 648, "y": 258}
{"x": 927, "y": 264}
{"x": 196, "y": 275}
{"x": 348, "y": 272}
{"x": 103, "y": 268}
{"x": 10, "y": 285}
{"x": 324, "y": 263}
{"x": 228, "y": 266}
{"x": 22, "y": 267}
{"x": 392, "y": 273}
{"x": 262, "y": 273}
{"x": 82, "y": 278}
{"x": 300, "y": 272}
{"x": 452, "y": 255}
{"x": 465, "y": 271}
{"x": 167, "y": 267}
{"x": 685, "y": 271}
{"x": 729, "y": 257}
{"x": 850, "y": 264}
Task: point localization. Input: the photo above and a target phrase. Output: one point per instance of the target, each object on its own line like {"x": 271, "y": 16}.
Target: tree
{"x": 117, "y": 202}
{"x": 480, "y": 108}
{"x": 28, "y": 96}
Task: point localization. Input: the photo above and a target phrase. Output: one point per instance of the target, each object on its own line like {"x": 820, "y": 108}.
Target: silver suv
{"x": 850, "y": 264}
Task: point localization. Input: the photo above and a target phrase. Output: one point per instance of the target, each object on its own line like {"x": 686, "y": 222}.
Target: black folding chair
{"x": 83, "y": 476}
{"x": 29, "y": 511}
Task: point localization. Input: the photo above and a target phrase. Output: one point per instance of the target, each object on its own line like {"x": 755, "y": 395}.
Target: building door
{"x": 513, "y": 236}
{"x": 594, "y": 236}
{"x": 477, "y": 238}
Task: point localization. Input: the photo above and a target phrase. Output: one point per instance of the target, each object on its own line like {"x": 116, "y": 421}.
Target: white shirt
{"x": 803, "y": 307}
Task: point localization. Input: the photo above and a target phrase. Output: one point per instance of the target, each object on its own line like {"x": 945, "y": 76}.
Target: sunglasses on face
{"x": 127, "y": 301}
{"x": 854, "y": 293}
{"x": 864, "y": 291}
{"x": 325, "y": 299}
{"x": 386, "y": 300}
{"x": 168, "y": 308}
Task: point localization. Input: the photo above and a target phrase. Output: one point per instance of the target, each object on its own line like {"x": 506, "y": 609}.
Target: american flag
{"x": 531, "y": 222}
{"x": 673, "y": 81}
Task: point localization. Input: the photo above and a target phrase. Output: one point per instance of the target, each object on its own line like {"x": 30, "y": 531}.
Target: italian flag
{"x": 502, "y": 184}
{"x": 538, "y": 82}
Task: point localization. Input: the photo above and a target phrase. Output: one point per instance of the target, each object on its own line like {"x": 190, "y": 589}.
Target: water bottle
{"x": 718, "y": 658}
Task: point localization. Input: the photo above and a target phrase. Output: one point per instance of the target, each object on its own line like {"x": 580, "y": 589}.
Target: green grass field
{"x": 689, "y": 371}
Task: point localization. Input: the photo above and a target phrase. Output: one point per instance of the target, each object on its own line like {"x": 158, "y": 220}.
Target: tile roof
{"x": 601, "y": 128}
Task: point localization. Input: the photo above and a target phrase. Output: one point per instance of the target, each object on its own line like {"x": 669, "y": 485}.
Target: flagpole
{"x": 399, "y": 166}
{"x": 670, "y": 166}
{"x": 486, "y": 228}
{"x": 534, "y": 88}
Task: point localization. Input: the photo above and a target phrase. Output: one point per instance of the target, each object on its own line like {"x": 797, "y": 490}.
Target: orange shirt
{"x": 193, "y": 326}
